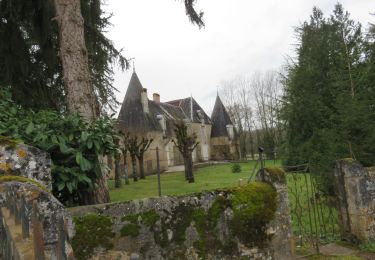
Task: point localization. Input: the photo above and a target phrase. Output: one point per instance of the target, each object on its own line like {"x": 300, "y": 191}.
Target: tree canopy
{"x": 329, "y": 93}
{"x": 29, "y": 59}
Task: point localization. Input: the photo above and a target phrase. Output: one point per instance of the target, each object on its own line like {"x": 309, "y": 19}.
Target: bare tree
{"x": 253, "y": 105}
{"x": 117, "y": 165}
{"x": 133, "y": 150}
{"x": 237, "y": 96}
{"x": 137, "y": 149}
{"x": 142, "y": 147}
{"x": 124, "y": 150}
{"x": 126, "y": 168}
{"x": 245, "y": 101}
{"x": 186, "y": 144}
{"x": 267, "y": 89}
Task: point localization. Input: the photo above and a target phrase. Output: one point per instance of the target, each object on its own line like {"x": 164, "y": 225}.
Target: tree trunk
{"x": 126, "y": 170}
{"x": 252, "y": 150}
{"x": 99, "y": 195}
{"x": 186, "y": 170}
{"x": 141, "y": 167}
{"x": 80, "y": 95}
{"x": 134, "y": 166}
{"x": 189, "y": 168}
{"x": 117, "y": 172}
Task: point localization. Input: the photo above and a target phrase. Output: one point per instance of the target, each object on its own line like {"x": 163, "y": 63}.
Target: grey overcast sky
{"x": 174, "y": 58}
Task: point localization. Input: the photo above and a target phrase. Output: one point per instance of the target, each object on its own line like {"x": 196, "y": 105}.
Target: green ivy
{"x": 74, "y": 145}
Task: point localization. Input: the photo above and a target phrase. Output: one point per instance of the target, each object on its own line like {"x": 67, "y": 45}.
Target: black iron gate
{"x": 314, "y": 215}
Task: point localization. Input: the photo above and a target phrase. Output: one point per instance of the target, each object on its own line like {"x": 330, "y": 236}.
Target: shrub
{"x": 236, "y": 168}
{"x": 74, "y": 145}
{"x": 254, "y": 206}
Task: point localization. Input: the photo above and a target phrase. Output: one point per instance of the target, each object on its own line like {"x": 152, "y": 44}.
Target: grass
{"x": 368, "y": 246}
{"x": 206, "y": 178}
{"x": 323, "y": 257}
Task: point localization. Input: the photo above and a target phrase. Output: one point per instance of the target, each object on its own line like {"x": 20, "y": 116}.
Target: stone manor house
{"x": 154, "y": 119}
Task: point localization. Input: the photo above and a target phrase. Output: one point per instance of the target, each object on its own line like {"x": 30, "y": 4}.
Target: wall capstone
{"x": 26, "y": 161}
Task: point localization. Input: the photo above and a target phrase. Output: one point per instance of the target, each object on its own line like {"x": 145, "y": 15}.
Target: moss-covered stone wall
{"x": 235, "y": 223}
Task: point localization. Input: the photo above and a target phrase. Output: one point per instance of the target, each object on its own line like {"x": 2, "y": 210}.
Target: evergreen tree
{"x": 328, "y": 99}
{"x": 29, "y": 57}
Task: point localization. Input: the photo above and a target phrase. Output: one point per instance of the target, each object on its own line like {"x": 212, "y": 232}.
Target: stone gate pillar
{"x": 355, "y": 188}
{"x": 282, "y": 241}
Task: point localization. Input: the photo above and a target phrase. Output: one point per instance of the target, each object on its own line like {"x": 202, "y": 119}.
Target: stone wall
{"x": 355, "y": 187}
{"x": 26, "y": 161}
{"x": 33, "y": 223}
{"x": 282, "y": 241}
{"x": 250, "y": 221}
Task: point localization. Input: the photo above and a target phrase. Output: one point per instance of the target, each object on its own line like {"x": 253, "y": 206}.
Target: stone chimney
{"x": 144, "y": 100}
{"x": 156, "y": 97}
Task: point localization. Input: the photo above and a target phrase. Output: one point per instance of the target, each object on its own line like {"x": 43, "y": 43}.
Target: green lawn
{"x": 206, "y": 178}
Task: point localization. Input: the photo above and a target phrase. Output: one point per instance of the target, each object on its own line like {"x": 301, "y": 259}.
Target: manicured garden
{"x": 206, "y": 178}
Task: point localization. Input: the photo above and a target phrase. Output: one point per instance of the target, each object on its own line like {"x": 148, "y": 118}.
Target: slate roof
{"x": 220, "y": 119}
{"x": 131, "y": 114}
{"x": 132, "y": 117}
{"x": 185, "y": 105}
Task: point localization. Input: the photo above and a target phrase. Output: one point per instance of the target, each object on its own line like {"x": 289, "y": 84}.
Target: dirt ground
{"x": 338, "y": 252}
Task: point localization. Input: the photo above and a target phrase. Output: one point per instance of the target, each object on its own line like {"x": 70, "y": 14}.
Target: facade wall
{"x": 202, "y": 151}
{"x": 223, "y": 149}
{"x": 217, "y": 148}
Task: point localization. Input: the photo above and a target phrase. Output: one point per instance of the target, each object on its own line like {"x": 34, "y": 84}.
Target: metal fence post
{"x": 261, "y": 150}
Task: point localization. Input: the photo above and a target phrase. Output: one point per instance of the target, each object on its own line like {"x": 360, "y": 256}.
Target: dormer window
{"x": 163, "y": 123}
{"x": 200, "y": 116}
{"x": 144, "y": 100}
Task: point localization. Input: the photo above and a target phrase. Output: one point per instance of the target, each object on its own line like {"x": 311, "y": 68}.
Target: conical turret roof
{"x": 220, "y": 119}
{"x": 131, "y": 116}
